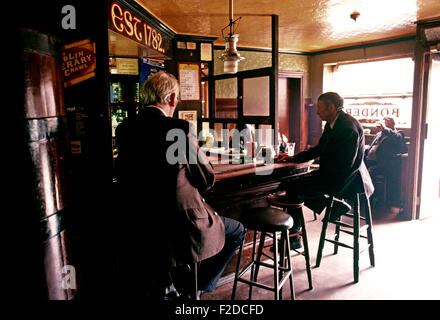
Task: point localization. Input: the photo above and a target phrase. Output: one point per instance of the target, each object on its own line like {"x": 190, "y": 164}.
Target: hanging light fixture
{"x": 230, "y": 56}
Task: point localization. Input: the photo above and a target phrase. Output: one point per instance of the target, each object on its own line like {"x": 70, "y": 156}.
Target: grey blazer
{"x": 165, "y": 197}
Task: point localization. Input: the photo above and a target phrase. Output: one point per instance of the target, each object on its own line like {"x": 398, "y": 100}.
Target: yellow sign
{"x": 78, "y": 62}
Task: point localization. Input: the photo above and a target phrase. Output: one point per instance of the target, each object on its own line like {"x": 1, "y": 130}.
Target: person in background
{"x": 166, "y": 225}
{"x": 340, "y": 151}
{"x": 381, "y": 157}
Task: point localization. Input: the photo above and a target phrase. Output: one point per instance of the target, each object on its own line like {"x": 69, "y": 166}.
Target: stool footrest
{"x": 352, "y": 216}
{"x": 257, "y": 284}
{"x": 347, "y": 246}
{"x": 268, "y": 265}
{"x": 365, "y": 247}
{"x": 266, "y": 255}
{"x": 342, "y": 224}
{"x": 352, "y": 233}
{"x": 339, "y": 243}
{"x": 260, "y": 285}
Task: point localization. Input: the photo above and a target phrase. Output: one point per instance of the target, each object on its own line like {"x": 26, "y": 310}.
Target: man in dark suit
{"x": 340, "y": 151}
{"x": 382, "y": 157}
{"x": 163, "y": 175}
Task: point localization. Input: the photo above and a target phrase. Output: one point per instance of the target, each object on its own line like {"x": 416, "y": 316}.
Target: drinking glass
{"x": 290, "y": 148}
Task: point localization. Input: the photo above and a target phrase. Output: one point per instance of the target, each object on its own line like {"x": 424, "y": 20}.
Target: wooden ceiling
{"x": 304, "y": 25}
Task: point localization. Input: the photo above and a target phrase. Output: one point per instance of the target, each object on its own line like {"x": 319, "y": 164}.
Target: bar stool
{"x": 187, "y": 277}
{"x": 195, "y": 274}
{"x": 281, "y": 201}
{"x": 269, "y": 221}
{"x": 356, "y": 231}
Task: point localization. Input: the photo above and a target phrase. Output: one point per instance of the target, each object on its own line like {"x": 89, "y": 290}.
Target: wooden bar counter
{"x": 239, "y": 187}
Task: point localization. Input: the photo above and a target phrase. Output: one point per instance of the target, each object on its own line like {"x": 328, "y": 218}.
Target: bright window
{"x": 373, "y": 90}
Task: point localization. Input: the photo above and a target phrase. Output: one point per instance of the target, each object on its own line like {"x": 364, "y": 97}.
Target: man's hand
{"x": 283, "y": 157}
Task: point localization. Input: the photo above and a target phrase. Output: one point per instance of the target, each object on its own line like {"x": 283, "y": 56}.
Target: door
{"x": 430, "y": 184}
{"x": 292, "y": 118}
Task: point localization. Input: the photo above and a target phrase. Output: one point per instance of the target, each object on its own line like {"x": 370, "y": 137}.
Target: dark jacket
{"x": 341, "y": 151}
{"x": 164, "y": 195}
{"x": 386, "y": 144}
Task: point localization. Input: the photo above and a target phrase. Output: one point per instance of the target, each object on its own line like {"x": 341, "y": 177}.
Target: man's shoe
{"x": 339, "y": 208}
{"x": 295, "y": 243}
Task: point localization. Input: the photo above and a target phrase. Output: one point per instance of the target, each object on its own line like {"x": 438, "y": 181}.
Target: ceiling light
{"x": 354, "y": 15}
{"x": 230, "y": 56}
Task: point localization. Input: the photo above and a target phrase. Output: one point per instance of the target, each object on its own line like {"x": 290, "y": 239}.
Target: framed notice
{"x": 189, "y": 79}
{"x": 127, "y": 66}
{"x": 205, "y": 51}
{"x": 190, "y": 116}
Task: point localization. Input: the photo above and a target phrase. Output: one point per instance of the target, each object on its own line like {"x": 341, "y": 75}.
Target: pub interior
{"x": 256, "y": 66}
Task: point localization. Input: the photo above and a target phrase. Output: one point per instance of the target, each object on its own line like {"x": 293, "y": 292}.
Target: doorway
{"x": 430, "y": 172}
{"x": 291, "y": 112}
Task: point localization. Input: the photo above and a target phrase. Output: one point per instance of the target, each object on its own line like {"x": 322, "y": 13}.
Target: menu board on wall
{"x": 189, "y": 79}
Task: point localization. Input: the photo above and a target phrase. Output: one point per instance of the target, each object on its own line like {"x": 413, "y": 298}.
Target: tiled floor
{"x": 407, "y": 265}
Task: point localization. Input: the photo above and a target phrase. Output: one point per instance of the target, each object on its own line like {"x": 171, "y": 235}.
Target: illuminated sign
{"x": 124, "y": 22}
{"x": 78, "y": 62}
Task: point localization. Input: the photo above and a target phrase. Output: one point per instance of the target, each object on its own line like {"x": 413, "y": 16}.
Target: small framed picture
{"x": 205, "y": 52}
{"x": 190, "y": 116}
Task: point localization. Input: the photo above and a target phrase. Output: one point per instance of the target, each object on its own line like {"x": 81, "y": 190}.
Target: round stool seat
{"x": 284, "y": 202}
{"x": 266, "y": 219}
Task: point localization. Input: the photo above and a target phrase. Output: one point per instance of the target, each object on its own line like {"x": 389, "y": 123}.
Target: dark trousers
{"x": 308, "y": 188}
{"x": 140, "y": 278}
{"x": 212, "y": 268}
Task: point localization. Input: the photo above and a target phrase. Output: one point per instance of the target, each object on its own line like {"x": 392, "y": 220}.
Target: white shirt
{"x": 332, "y": 124}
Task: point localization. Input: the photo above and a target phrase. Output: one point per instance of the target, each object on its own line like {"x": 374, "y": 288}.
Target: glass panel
{"x": 357, "y": 79}
{"x": 430, "y": 192}
{"x": 203, "y": 135}
{"x": 218, "y": 136}
{"x": 226, "y": 98}
{"x": 231, "y": 131}
{"x": 265, "y": 136}
{"x": 371, "y": 110}
{"x": 374, "y": 90}
{"x": 256, "y": 96}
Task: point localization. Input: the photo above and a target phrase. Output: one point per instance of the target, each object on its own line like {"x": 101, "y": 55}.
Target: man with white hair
{"x": 169, "y": 222}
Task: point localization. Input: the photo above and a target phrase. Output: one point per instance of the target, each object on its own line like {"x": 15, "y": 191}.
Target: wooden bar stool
{"x": 195, "y": 273}
{"x": 281, "y": 201}
{"x": 354, "y": 229}
{"x": 185, "y": 280}
{"x": 269, "y": 221}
